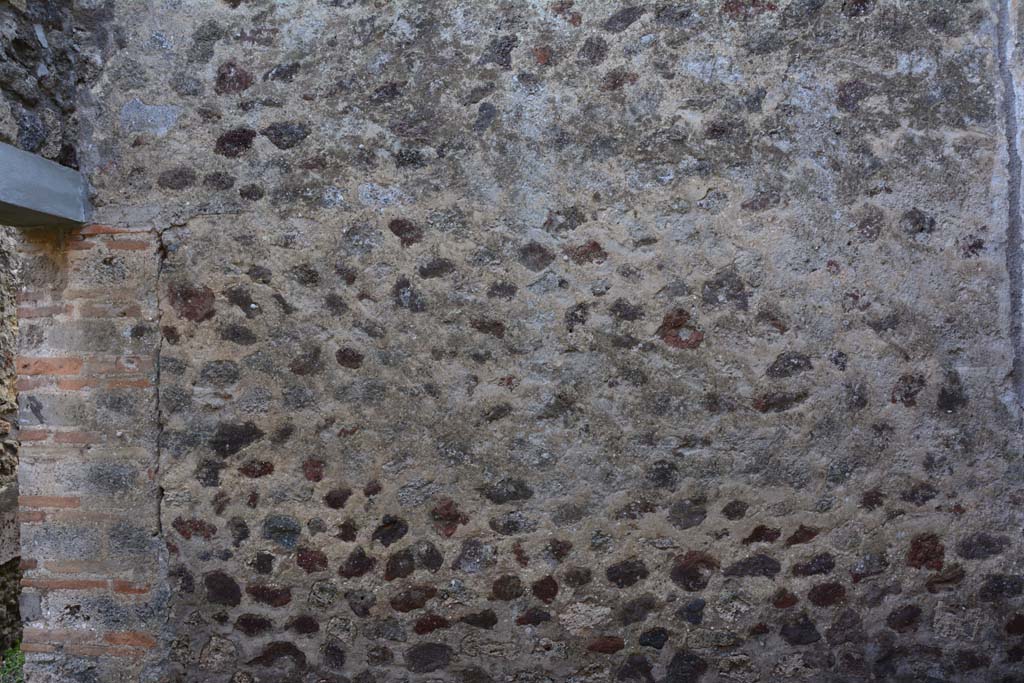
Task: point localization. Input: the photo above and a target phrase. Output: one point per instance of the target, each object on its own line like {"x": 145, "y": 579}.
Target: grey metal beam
{"x": 36, "y": 192}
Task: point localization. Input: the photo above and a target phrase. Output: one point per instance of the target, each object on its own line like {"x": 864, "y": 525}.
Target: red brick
{"x": 75, "y": 383}
{"x": 27, "y": 564}
{"x": 33, "y": 435}
{"x": 49, "y": 366}
{"x": 131, "y": 639}
{"x": 49, "y": 501}
{"x": 130, "y": 587}
{"x": 78, "y": 437}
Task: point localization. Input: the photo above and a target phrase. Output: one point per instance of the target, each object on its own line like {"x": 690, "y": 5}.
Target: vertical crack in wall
{"x": 1007, "y": 37}
{"x": 162, "y": 258}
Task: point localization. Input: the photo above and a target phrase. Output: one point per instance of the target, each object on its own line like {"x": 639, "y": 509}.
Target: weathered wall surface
{"x": 535, "y": 341}
{"x": 92, "y": 596}
{"x": 10, "y": 574}
{"x": 49, "y": 51}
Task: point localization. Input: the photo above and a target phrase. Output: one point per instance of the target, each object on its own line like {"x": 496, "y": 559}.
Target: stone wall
{"x": 548, "y": 341}
{"x": 10, "y": 551}
{"x": 51, "y": 51}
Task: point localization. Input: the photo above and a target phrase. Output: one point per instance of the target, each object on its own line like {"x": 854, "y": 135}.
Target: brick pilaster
{"x": 89, "y": 504}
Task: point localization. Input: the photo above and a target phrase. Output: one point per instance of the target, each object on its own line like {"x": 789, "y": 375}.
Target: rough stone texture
{"x": 541, "y": 341}
{"x": 10, "y": 590}
{"x": 50, "y": 50}
{"x": 10, "y": 551}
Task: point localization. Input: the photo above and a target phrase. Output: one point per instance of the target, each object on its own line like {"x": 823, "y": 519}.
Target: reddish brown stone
{"x": 607, "y": 645}
{"x": 762, "y": 534}
{"x": 693, "y": 570}
{"x": 194, "y": 527}
{"x": 546, "y": 589}
{"x": 192, "y": 303}
{"x": 232, "y": 78}
{"x": 253, "y": 624}
{"x": 872, "y": 499}
{"x": 827, "y": 594}
{"x": 336, "y": 498}
{"x": 233, "y": 143}
{"x": 486, "y": 619}
{"x": 390, "y": 530}
{"x": 304, "y": 625}
{"x": 778, "y": 401}
{"x": 506, "y": 588}
{"x": 357, "y": 564}
{"x": 904, "y": 619}
{"x": 407, "y": 232}
{"x": 311, "y": 560}
{"x": 429, "y": 623}
{"x": 447, "y": 517}
{"x": 520, "y": 554}
{"x": 617, "y": 78}
{"x": 313, "y": 470}
{"x": 349, "y": 358}
{"x": 784, "y": 599}
{"x": 533, "y": 617}
{"x": 627, "y": 573}
{"x": 488, "y": 326}
{"x": 803, "y": 534}
{"x": 400, "y": 565}
{"x": 673, "y": 325}
{"x": 270, "y": 594}
{"x": 926, "y": 551}
{"x": 746, "y": 9}
{"x": 347, "y": 531}
{"x": 559, "y": 549}
{"x": 412, "y": 598}
{"x": 819, "y": 564}
{"x": 543, "y": 55}
{"x": 254, "y": 469}
{"x": 589, "y": 252}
